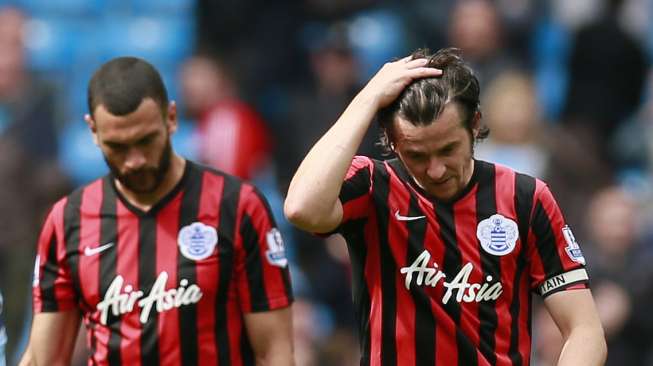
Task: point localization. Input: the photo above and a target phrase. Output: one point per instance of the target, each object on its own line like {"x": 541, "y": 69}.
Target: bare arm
{"x": 270, "y": 333}
{"x": 52, "y": 339}
{"x": 575, "y": 315}
{"x": 312, "y": 203}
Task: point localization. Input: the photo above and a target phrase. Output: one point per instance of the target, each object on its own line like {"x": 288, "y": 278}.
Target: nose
{"x": 135, "y": 159}
{"x": 436, "y": 169}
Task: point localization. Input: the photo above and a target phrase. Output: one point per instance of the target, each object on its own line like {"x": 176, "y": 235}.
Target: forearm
{"x": 280, "y": 357}
{"x": 315, "y": 188}
{"x": 584, "y": 346}
{"x": 27, "y": 359}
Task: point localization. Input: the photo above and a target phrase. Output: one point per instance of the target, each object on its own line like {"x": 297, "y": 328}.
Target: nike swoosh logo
{"x": 93, "y": 251}
{"x": 407, "y": 218}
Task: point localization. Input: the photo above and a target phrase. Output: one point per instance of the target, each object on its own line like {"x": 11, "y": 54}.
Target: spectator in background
{"x": 29, "y": 172}
{"x": 607, "y": 71}
{"x": 475, "y": 27}
{"x": 232, "y": 136}
{"x": 513, "y": 115}
{"x": 621, "y": 275}
{"x": 3, "y": 334}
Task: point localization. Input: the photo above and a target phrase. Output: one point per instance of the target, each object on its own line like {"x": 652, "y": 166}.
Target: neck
{"x": 145, "y": 201}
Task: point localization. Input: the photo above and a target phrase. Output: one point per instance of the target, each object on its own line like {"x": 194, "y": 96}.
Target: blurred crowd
{"x": 565, "y": 90}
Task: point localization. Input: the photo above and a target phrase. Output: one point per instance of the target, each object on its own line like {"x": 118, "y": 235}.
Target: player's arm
{"x": 312, "y": 202}
{"x": 52, "y": 339}
{"x": 575, "y": 315}
{"x": 270, "y": 333}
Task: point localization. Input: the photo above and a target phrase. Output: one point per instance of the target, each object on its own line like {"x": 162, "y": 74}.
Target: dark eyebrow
{"x": 150, "y": 135}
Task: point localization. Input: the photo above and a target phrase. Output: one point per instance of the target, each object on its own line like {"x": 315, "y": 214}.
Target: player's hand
{"x": 393, "y": 77}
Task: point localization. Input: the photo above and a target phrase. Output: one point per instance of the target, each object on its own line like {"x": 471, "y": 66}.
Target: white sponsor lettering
{"x": 121, "y": 300}
{"x": 465, "y": 292}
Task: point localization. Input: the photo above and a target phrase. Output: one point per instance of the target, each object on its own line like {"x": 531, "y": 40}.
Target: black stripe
{"x": 285, "y": 272}
{"x": 246, "y": 351}
{"x": 546, "y": 242}
{"x": 253, "y": 265}
{"x": 354, "y": 233}
{"x": 453, "y": 264}
{"x": 146, "y": 276}
{"x": 186, "y": 269}
{"x": 72, "y": 223}
{"x": 388, "y": 269}
{"x": 50, "y": 270}
{"x": 109, "y": 263}
{"x": 486, "y": 206}
{"x": 425, "y": 322}
{"x": 227, "y": 228}
{"x": 352, "y": 186}
{"x": 524, "y": 190}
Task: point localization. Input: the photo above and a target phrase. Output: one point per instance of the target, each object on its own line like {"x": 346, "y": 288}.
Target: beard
{"x": 147, "y": 179}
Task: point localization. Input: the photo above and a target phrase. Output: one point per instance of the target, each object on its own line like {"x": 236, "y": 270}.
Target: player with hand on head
{"x": 445, "y": 249}
{"x": 166, "y": 261}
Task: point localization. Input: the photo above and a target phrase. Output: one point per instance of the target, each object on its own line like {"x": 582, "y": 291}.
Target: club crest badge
{"x": 497, "y": 234}
{"x": 197, "y": 241}
{"x": 572, "y": 248}
{"x": 276, "y": 253}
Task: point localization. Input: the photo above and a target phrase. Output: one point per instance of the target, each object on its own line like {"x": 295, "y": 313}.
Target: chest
{"x": 121, "y": 263}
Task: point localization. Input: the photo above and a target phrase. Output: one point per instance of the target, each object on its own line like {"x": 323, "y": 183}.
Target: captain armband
{"x": 562, "y": 281}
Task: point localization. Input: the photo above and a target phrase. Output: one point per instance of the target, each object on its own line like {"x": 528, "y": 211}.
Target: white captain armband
{"x": 563, "y": 280}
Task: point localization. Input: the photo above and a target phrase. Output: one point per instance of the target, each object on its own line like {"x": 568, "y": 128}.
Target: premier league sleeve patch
{"x": 197, "y": 241}
{"x": 497, "y": 234}
{"x": 572, "y": 248}
{"x": 276, "y": 253}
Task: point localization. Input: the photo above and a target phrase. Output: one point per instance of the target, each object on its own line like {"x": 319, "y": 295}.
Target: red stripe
{"x": 373, "y": 279}
{"x": 358, "y": 163}
{"x": 466, "y": 222}
{"x": 356, "y": 208}
{"x": 524, "y": 317}
{"x": 63, "y": 287}
{"x": 207, "y": 271}
{"x": 166, "y": 260}
{"x": 399, "y": 199}
{"x": 505, "y": 193}
{"x": 89, "y": 237}
{"x": 235, "y": 326}
{"x": 127, "y": 266}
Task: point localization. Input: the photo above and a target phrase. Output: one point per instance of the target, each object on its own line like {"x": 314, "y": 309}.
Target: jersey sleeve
{"x": 356, "y": 191}
{"x": 557, "y": 262}
{"x": 52, "y": 285}
{"x": 261, "y": 270}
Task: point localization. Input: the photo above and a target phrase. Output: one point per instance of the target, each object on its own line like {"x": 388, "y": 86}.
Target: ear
{"x": 476, "y": 124}
{"x": 171, "y": 118}
{"x": 92, "y": 125}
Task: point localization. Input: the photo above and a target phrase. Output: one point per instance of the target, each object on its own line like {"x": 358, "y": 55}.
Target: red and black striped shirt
{"x": 168, "y": 286}
{"x": 449, "y": 283}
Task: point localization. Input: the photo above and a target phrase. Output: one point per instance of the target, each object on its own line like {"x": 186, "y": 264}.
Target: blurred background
{"x": 566, "y": 91}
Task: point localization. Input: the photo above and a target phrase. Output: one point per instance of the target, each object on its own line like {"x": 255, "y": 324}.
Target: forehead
{"x": 447, "y": 128}
{"x": 146, "y": 119}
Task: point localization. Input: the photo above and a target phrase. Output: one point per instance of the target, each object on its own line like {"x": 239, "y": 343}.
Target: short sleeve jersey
{"x": 167, "y": 286}
{"x": 449, "y": 283}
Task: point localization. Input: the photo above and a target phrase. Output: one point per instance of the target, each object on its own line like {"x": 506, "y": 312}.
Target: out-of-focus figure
{"x": 475, "y": 28}
{"x": 29, "y": 173}
{"x": 512, "y": 112}
{"x": 232, "y": 136}
{"x": 621, "y": 272}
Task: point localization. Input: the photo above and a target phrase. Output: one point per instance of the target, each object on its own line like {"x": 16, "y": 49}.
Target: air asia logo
{"x": 119, "y": 302}
{"x": 465, "y": 291}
